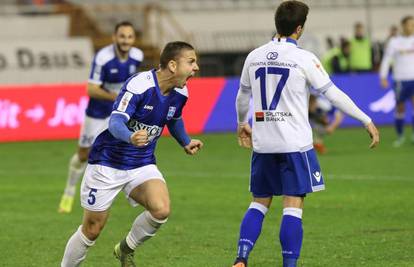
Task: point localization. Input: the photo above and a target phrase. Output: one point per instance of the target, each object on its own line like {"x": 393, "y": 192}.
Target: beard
{"x": 119, "y": 47}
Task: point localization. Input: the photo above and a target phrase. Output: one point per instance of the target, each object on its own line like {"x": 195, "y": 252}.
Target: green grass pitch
{"x": 364, "y": 218}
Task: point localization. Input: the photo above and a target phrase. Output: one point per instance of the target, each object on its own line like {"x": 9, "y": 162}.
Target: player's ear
{"x": 299, "y": 30}
{"x": 172, "y": 66}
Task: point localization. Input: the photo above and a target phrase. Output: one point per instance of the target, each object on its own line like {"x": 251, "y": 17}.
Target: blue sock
{"x": 250, "y": 229}
{"x": 399, "y": 124}
{"x": 291, "y": 235}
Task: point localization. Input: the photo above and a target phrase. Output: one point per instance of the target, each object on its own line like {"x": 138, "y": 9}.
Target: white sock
{"x": 76, "y": 169}
{"x": 76, "y": 248}
{"x": 143, "y": 228}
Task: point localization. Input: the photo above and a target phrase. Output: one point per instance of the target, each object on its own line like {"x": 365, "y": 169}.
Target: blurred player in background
{"x": 111, "y": 67}
{"x": 400, "y": 53}
{"x": 324, "y": 119}
{"x": 122, "y": 157}
{"x": 278, "y": 75}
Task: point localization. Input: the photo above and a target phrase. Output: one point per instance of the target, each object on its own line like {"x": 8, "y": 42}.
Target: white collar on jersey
{"x": 286, "y": 40}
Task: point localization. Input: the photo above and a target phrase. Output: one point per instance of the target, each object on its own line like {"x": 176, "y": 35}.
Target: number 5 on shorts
{"x": 92, "y": 197}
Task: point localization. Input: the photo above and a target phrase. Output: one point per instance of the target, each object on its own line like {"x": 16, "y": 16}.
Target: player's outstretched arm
{"x": 345, "y": 104}
{"x": 373, "y": 133}
{"x": 244, "y": 135}
{"x": 177, "y": 130}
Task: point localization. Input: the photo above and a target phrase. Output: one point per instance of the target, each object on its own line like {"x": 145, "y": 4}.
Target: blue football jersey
{"x": 111, "y": 73}
{"x": 141, "y": 101}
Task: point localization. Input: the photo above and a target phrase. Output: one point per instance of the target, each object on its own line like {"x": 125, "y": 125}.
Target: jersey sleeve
{"x": 179, "y": 113}
{"x": 97, "y": 75}
{"x": 126, "y": 102}
{"x": 183, "y": 97}
{"x": 316, "y": 75}
{"x": 244, "y": 77}
{"x": 387, "y": 59}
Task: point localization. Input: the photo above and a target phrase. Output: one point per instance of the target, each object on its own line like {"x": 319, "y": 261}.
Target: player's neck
{"x": 292, "y": 36}
{"x": 166, "y": 81}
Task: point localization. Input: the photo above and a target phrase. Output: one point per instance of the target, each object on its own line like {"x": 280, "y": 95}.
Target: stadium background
{"x": 364, "y": 218}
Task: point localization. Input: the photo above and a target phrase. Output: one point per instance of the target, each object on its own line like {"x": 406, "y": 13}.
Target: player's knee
{"x": 400, "y": 108}
{"x": 92, "y": 229}
{"x": 83, "y": 154}
{"x": 160, "y": 210}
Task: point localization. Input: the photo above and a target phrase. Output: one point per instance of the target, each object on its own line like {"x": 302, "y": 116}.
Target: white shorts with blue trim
{"x": 90, "y": 129}
{"x": 101, "y": 184}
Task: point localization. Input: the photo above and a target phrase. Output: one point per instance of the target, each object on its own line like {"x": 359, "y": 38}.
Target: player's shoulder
{"x": 182, "y": 91}
{"x": 305, "y": 54}
{"x": 305, "y": 57}
{"x": 141, "y": 82}
{"x": 136, "y": 54}
{"x": 105, "y": 55}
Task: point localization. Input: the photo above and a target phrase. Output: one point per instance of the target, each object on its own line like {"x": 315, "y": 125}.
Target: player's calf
{"x": 76, "y": 249}
{"x": 291, "y": 236}
{"x": 144, "y": 227}
{"x": 250, "y": 230}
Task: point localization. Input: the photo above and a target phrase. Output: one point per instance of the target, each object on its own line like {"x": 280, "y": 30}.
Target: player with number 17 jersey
{"x": 278, "y": 76}
{"x": 283, "y": 73}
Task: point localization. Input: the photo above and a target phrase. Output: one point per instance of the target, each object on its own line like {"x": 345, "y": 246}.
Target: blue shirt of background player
{"x": 110, "y": 73}
{"x": 141, "y": 101}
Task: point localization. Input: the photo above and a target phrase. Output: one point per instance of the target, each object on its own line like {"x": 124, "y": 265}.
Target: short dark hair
{"x": 171, "y": 51}
{"x": 405, "y": 19}
{"x": 289, "y": 15}
{"x": 123, "y": 24}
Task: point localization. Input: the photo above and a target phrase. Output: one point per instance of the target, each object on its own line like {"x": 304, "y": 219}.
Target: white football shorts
{"x": 101, "y": 184}
{"x": 90, "y": 129}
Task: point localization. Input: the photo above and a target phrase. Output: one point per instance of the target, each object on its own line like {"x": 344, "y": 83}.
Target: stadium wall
{"x": 56, "y": 111}
{"x": 45, "y": 60}
{"x": 246, "y": 29}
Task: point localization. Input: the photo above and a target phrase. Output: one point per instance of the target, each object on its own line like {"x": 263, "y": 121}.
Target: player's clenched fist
{"x": 193, "y": 147}
{"x": 139, "y": 138}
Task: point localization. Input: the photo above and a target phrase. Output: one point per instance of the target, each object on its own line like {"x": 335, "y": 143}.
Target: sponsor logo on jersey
{"x": 259, "y": 116}
{"x": 272, "y": 55}
{"x": 318, "y": 176}
{"x": 148, "y": 107}
{"x": 171, "y": 112}
{"x": 272, "y": 116}
{"x": 113, "y": 71}
{"x": 153, "y": 131}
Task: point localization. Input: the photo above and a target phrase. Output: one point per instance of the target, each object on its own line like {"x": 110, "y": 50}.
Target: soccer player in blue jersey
{"x": 278, "y": 76}
{"x": 122, "y": 157}
{"x": 111, "y": 67}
